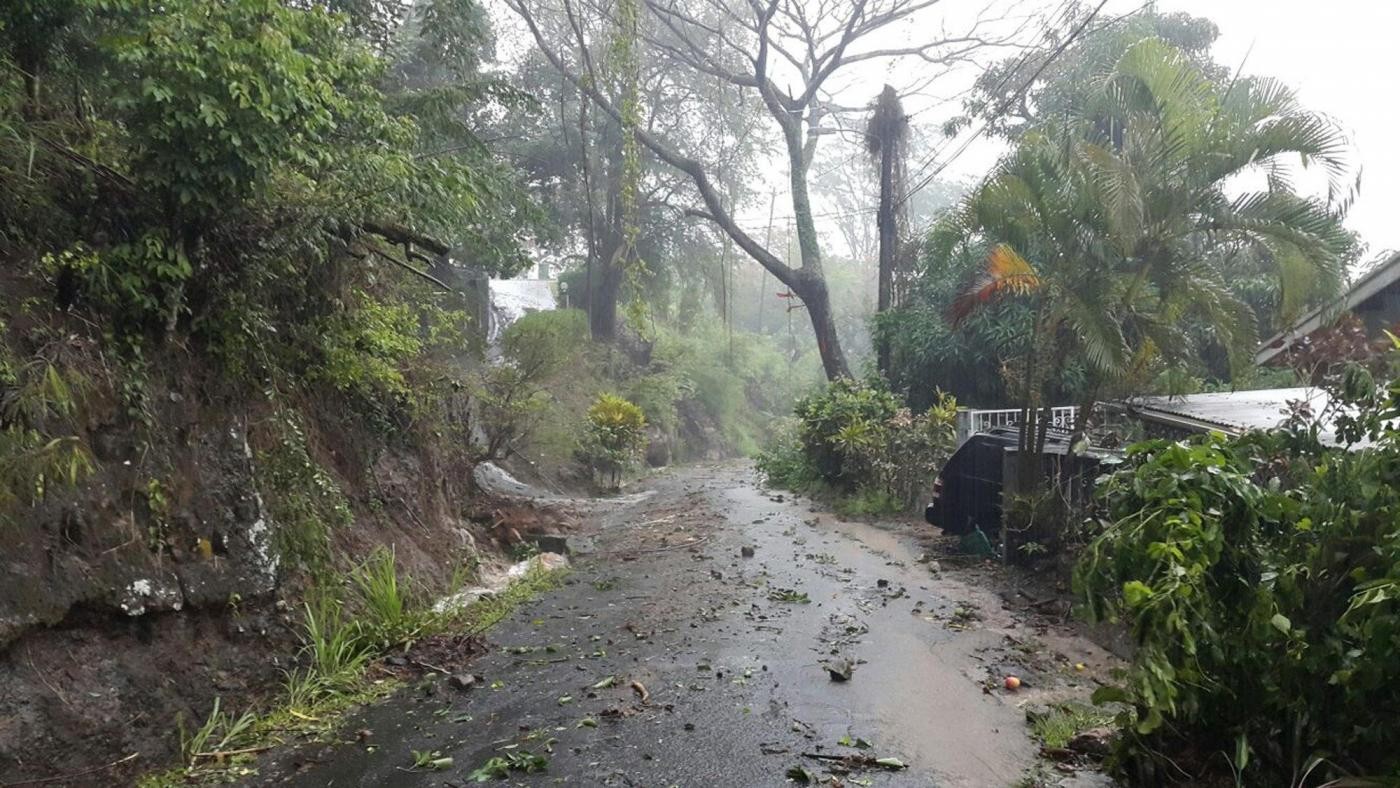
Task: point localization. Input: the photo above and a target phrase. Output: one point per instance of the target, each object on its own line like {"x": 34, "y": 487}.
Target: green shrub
{"x": 508, "y": 405}
{"x": 857, "y": 438}
{"x": 840, "y": 424}
{"x": 614, "y": 437}
{"x": 133, "y": 282}
{"x": 541, "y": 343}
{"x": 657, "y": 394}
{"x": 365, "y": 348}
{"x": 783, "y": 463}
{"x": 511, "y": 396}
{"x": 1260, "y": 579}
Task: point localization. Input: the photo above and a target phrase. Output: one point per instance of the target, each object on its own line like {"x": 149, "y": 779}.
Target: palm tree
{"x": 1120, "y": 222}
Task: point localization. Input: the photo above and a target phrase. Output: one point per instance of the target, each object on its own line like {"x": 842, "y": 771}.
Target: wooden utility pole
{"x": 767, "y": 243}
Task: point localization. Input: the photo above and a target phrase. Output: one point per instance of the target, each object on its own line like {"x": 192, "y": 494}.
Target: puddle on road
{"x": 914, "y": 695}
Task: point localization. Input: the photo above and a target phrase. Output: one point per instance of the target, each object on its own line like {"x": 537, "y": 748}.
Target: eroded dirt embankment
{"x": 158, "y": 585}
{"x": 674, "y": 657}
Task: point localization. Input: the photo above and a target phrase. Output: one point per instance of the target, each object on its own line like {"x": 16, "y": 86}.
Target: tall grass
{"x": 391, "y": 615}
{"x": 337, "y": 650}
{"x": 335, "y": 644}
{"x": 220, "y": 733}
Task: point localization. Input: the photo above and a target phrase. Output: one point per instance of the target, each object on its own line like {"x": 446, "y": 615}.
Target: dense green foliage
{"x": 837, "y": 423}
{"x": 1109, "y": 242}
{"x": 38, "y": 450}
{"x": 256, "y": 186}
{"x": 700, "y": 398}
{"x": 510, "y": 396}
{"x": 1259, "y": 580}
{"x": 859, "y": 440}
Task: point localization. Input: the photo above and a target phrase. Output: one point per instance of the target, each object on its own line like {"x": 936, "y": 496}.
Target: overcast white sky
{"x": 1339, "y": 56}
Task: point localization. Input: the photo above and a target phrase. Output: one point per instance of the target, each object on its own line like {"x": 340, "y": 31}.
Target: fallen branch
{"x": 400, "y": 234}
{"x": 431, "y": 667}
{"x": 857, "y": 761}
{"x": 68, "y": 777}
{"x": 221, "y": 754}
{"x": 423, "y": 274}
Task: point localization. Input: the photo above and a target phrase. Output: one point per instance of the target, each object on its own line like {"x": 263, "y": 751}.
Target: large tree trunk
{"x": 885, "y": 221}
{"x": 812, "y": 290}
{"x": 602, "y": 302}
{"x": 805, "y": 282}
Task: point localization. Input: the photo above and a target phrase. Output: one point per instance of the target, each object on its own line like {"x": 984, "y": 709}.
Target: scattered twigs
{"x": 29, "y": 655}
{"x": 221, "y": 754}
{"x": 431, "y": 667}
{"x": 63, "y": 778}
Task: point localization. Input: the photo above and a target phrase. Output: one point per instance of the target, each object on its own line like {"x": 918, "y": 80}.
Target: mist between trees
{"x": 267, "y": 228}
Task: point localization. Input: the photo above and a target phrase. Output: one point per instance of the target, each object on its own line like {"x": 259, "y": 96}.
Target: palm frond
{"x": 1121, "y": 195}
{"x": 1098, "y": 333}
{"x": 1006, "y": 273}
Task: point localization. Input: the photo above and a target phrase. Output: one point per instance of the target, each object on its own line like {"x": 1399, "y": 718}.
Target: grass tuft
{"x": 1061, "y": 723}
{"x": 336, "y": 655}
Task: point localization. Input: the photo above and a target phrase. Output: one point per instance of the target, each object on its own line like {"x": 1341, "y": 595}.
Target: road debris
{"x": 858, "y": 761}
{"x": 840, "y": 670}
{"x": 464, "y": 681}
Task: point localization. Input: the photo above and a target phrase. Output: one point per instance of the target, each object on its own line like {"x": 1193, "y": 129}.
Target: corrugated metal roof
{"x": 1374, "y": 281}
{"x": 1232, "y": 412}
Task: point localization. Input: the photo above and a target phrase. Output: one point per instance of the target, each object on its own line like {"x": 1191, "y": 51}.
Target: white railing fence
{"x": 971, "y": 422}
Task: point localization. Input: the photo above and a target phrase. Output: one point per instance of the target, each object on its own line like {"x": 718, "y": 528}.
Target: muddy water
{"x": 912, "y": 690}
{"x": 732, "y": 660}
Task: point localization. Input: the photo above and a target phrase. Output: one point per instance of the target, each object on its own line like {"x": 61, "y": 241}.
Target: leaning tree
{"x": 797, "y": 56}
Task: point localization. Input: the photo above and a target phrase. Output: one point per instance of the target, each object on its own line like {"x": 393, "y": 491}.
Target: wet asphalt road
{"x": 731, "y": 659}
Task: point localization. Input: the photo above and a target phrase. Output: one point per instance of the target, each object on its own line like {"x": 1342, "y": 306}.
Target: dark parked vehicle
{"x": 967, "y": 493}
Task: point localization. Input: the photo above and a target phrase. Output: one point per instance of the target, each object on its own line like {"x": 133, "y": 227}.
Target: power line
{"x": 926, "y": 180}
{"x": 1066, "y": 8}
{"x": 1006, "y": 103}
{"x": 922, "y": 184}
